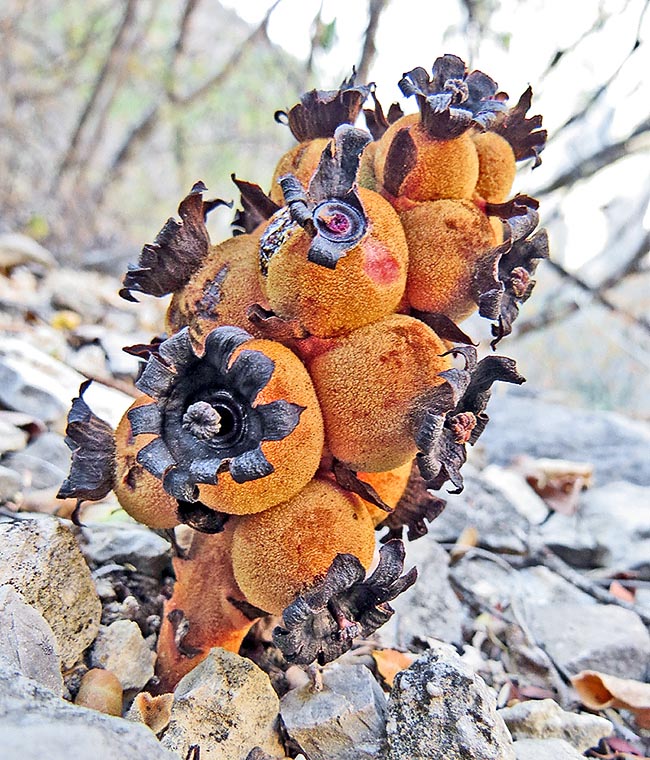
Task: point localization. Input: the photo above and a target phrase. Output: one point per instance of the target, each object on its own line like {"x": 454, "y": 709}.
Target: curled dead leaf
{"x": 600, "y": 690}
{"x": 390, "y": 662}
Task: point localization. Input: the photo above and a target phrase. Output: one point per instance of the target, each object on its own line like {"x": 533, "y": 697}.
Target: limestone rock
{"x": 121, "y": 648}
{"x": 37, "y": 724}
{"x": 439, "y": 709}
{"x": 344, "y": 721}
{"x": 40, "y": 559}
{"x": 429, "y": 609}
{"x": 27, "y": 643}
{"x": 545, "y": 749}
{"x": 227, "y": 706}
{"x": 600, "y": 637}
{"x": 545, "y": 719}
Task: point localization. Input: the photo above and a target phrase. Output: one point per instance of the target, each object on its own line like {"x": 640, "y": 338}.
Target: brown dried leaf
{"x": 600, "y": 690}
{"x": 558, "y": 481}
{"x": 390, "y": 662}
{"x": 155, "y": 712}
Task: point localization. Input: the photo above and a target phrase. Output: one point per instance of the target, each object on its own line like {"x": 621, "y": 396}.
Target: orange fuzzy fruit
{"x": 366, "y": 174}
{"x": 295, "y": 458}
{"x": 370, "y": 384}
{"x": 221, "y": 292}
{"x": 301, "y": 161}
{"x": 389, "y": 485}
{"x": 279, "y": 553}
{"x": 140, "y": 493}
{"x": 445, "y": 240}
{"x": 423, "y": 168}
{"x": 366, "y": 284}
{"x": 497, "y": 166}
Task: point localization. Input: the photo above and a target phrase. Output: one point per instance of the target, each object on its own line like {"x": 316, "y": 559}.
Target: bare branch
{"x": 375, "y": 9}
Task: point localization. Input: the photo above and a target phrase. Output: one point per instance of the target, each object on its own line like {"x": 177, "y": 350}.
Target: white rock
{"x": 226, "y": 705}
{"x": 121, "y": 648}
{"x": 16, "y": 249}
{"x": 546, "y": 749}
{"x": 40, "y": 559}
{"x": 27, "y": 643}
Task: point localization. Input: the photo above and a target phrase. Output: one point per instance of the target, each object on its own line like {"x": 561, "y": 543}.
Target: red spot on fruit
{"x": 380, "y": 264}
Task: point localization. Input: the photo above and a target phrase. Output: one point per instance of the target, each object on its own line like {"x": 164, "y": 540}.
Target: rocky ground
{"x": 537, "y": 573}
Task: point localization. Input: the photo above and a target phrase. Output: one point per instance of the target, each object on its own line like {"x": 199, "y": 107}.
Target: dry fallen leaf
{"x": 467, "y": 540}
{"x": 557, "y": 481}
{"x": 618, "y": 590}
{"x": 154, "y": 712}
{"x": 600, "y": 690}
{"x": 390, "y": 662}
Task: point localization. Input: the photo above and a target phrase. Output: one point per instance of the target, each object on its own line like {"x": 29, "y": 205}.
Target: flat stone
{"x": 429, "y": 609}
{"x": 124, "y": 543}
{"x": 12, "y": 438}
{"x": 226, "y": 705}
{"x": 343, "y": 721}
{"x": 545, "y": 719}
{"x": 601, "y": 637}
{"x": 40, "y": 559}
{"x": 35, "y": 723}
{"x": 545, "y": 749}
{"x": 45, "y": 463}
{"x": 121, "y": 648}
{"x": 27, "y": 643}
{"x": 481, "y": 505}
{"x": 616, "y": 445}
{"x": 439, "y": 709}
{"x": 11, "y": 484}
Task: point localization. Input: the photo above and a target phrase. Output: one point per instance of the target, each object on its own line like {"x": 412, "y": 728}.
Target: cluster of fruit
{"x": 308, "y": 393}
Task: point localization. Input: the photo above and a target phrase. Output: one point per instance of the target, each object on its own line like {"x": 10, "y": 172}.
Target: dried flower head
{"x": 321, "y": 623}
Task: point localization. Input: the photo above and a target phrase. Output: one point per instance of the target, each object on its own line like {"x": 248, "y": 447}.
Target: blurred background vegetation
{"x": 110, "y": 111}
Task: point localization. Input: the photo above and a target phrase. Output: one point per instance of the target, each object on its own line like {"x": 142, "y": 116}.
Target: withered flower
{"x": 92, "y": 443}
{"x": 331, "y": 211}
{"x": 504, "y": 275}
{"x": 257, "y": 207}
{"x": 204, "y": 416}
{"x": 179, "y": 250}
{"x": 452, "y": 100}
{"x": 378, "y": 122}
{"x": 455, "y": 415}
{"x": 320, "y": 112}
{"x": 322, "y": 622}
{"x": 525, "y": 135}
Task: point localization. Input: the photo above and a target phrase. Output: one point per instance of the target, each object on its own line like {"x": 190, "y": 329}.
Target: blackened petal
{"x": 177, "y": 350}
{"x": 256, "y": 204}
{"x": 156, "y": 379}
{"x": 145, "y": 419}
{"x": 400, "y": 160}
{"x": 200, "y": 517}
{"x": 156, "y": 458}
{"x": 220, "y": 344}
{"x": 178, "y": 251}
{"x": 250, "y": 465}
{"x": 92, "y": 442}
{"x": 326, "y": 253}
{"x": 524, "y": 134}
{"x": 250, "y": 372}
{"x": 179, "y": 484}
{"x": 339, "y": 163}
{"x": 205, "y": 470}
{"x": 279, "y": 419}
{"x": 389, "y": 567}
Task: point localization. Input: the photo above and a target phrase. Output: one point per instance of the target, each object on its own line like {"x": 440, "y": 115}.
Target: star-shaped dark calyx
{"x": 453, "y": 100}
{"x": 256, "y": 208}
{"x": 378, "y": 122}
{"x": 414, "y": 510}
{"x": 204, "y": 415}
{"x": 455, "y": 415}
{"x": 526, "y": 137}
{"x": 320, "y": 112}
{"x": 503, "y": 278}
{"x": 331, "y": 211}
{"x": 180, "y": 248}
{"x": 92, "y": 442}
{"x": 322, "y": 622}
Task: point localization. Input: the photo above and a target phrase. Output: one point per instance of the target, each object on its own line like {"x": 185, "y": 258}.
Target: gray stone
{"x": 27, "y": 643}
{"x": 12, "y": 438}
{"x": 520, "y": 424}
{"x": 11, "y": 484}
{"x": 17, "y": 249}
{"x": 343, "y": 721}
{"x": 227, "y": 706}
{"x": 499, "y": 524}
{"x": 592, "y": 637}
{"x": 124, "y": 543}
{"x": 545, "y": 719}
{"x": 429, "y": 609}
{"x": 540, "y": 587}
{"x": 121, "y": 648}
{"x": 439, "y": 709}
{"x": 546, "y": 749}
{"x": 44, "y": 463}
{"x": 35, "y": 723}
{"x": 40, "y": 559}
